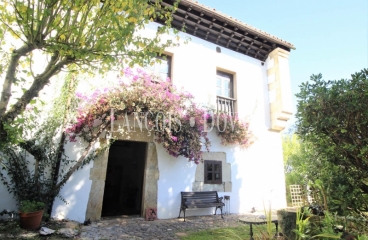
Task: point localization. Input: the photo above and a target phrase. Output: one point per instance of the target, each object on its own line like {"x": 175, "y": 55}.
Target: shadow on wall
{"x": 176, "y": 175}
{"x": 76, "y": 190}
{"x": 76, "y": 194}
{"x": 7, "y": 201}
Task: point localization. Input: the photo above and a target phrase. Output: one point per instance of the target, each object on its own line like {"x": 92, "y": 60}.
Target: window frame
{"x": 231, "y": 78}
{"x": 164, "y": 57}
{"x": 206, "y": 172}
{"x": 224, "y": 103}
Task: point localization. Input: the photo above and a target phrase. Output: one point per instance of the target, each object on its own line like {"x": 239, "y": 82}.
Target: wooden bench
{"x": 200, "y": 200}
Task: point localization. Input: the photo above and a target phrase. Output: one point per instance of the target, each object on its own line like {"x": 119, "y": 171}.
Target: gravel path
{"x": 138, "y": 228}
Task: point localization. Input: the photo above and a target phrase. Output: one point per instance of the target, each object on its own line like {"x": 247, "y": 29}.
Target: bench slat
{"x": 200, "y": 200}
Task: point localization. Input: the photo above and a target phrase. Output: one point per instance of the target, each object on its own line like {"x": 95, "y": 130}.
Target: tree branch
{"x": 81, "y": 159}
{"x": 37, "y": 85}
{"x": 10, "y": 76}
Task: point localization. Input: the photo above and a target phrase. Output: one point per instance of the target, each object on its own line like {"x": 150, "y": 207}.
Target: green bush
{"x": 27, "y": 206}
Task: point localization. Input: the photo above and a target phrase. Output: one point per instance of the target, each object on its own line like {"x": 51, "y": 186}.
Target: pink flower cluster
{"x": 180, "y": 129}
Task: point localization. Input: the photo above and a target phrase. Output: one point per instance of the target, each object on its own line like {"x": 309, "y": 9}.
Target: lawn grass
{"x": 242, "y": 232}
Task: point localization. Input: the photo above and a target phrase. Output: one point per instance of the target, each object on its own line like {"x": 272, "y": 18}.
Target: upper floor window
{"x": 225, "y": 93}
{"x": 224, "y": 85}
{"x": 161, "y": 67}
{"x": 212, "y": 172}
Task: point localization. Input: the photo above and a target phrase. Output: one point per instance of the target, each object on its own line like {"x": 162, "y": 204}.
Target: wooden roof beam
{"x": 213, "y": 24}
{"x": 183, "y": 7}
{"x": 209, "y": 30}
{"x": 193, "y": 28}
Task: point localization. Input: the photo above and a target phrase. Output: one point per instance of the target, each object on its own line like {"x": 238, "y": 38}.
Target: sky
{"x": 330, "y": 36}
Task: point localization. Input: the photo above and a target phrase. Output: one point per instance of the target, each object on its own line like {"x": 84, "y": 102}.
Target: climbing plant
{"x": 93, "y": 36}
{"x": 176, "y": 121}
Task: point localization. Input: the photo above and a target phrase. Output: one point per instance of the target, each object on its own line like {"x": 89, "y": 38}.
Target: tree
{"x": 77, "y": 36}
{"x": 332, "y": 117}
{"x": 298, "y": 161}
{"x": 87, "y": 35}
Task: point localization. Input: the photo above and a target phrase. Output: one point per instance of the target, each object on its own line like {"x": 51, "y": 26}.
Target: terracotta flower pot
{"x": 31, "y": 220}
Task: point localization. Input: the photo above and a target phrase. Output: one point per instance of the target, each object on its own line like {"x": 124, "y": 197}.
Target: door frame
{"x": 150, "y": 179}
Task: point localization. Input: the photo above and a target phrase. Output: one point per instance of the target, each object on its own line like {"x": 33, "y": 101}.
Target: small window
{"x": 212, "y": 172}
{"x": 161, "y": 67}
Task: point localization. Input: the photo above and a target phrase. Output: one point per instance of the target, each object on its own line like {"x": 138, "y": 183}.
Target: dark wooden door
{"x": 124, "y": 179}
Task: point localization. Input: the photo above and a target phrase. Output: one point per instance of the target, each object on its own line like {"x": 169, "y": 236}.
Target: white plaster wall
{"x": 7, "y": 202}
{"x": 75, "y": 191}
{"x": 257, "y": 173}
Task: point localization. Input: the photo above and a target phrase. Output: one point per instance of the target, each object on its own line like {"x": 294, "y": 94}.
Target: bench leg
{"x": 179, "y": 212}
{"x": 222, "y": 216}
{"x": 184, "y": 214}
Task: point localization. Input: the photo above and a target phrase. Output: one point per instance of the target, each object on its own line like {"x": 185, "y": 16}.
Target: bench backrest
{"x": 202, "y": 197}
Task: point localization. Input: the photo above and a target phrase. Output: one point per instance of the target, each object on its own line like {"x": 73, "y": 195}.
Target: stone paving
{"x": 138, "y": 228}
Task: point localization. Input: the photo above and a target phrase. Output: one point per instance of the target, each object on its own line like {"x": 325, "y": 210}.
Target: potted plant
{"x": 30, "y": 214}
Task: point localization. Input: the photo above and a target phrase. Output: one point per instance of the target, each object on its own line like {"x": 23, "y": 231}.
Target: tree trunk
{"x": 60, "y": 147}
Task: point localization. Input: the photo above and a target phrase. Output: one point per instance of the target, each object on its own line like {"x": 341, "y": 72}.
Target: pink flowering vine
{"x": 178, "y": 124}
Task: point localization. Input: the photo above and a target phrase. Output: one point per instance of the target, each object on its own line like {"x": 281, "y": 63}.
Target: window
{"x": 161, "y": 67}
{"x": 212, "y": 172}
{"x": 224, "y": 85}
{"x": 225, "y": 93}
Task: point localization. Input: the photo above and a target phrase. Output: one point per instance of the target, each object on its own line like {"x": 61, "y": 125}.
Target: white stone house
{"x": 227, "y": 65}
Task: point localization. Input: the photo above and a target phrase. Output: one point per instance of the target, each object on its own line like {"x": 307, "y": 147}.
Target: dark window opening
{"x": 212, "y": 172}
